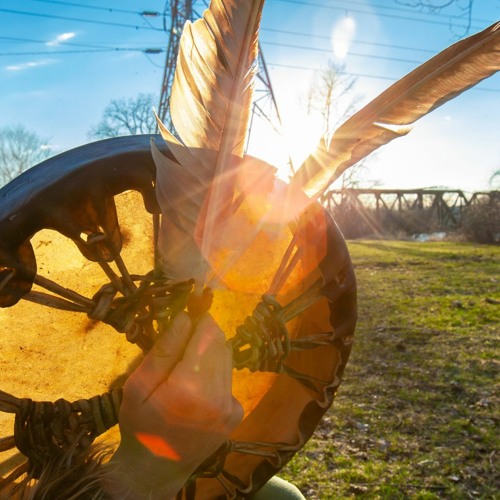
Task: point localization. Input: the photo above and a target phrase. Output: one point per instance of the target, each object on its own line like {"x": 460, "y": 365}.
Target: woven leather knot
{"x": 103, "y": 300}
{"x": 44, "y": 430}
{"x": 134, "y": 311}
{"x": 126, "y": 314}
{"x": 262, "y": 342}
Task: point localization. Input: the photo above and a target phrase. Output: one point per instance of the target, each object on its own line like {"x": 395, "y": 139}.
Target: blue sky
{"x": 62, "y": 61}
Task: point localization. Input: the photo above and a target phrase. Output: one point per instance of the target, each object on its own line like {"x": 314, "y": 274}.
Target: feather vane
{"x": 391, "y": 114}
{"x": 210, "y": 108}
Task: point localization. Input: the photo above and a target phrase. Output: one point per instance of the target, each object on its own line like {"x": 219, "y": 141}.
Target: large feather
{"x": 391, "y": 114}
{"x": 210, "y": 108}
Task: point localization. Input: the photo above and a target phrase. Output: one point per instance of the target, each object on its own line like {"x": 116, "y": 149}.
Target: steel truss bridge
{"x": 446, "y": 207}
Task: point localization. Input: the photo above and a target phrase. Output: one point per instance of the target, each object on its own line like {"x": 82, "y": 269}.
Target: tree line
{"x": 20, "y": 148}
{"x": 331, "y": 98}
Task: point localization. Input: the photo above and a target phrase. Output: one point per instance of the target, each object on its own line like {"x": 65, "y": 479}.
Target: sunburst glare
{"x": 298, "y": 137}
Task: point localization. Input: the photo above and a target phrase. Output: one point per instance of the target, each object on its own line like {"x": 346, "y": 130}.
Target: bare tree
{"x": 462, "y": 12}
{"x": 126, "y": 117}
{"x": 438, "y": 5}
{"x": 332, "y": 96}
{"x": 20, "y": 149}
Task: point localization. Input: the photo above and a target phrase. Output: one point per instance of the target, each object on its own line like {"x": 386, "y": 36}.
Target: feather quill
{"x": 391, "y": 114}
{"x": 210, "y": 108}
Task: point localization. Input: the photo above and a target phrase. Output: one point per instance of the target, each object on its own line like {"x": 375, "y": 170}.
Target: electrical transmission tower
{"x": 180, "y": 11}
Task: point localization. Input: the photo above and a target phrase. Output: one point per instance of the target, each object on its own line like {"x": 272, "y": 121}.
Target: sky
{"x": 61, "y": 62}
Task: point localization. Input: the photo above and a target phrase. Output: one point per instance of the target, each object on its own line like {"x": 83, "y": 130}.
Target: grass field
{"x": 417, "y": 414}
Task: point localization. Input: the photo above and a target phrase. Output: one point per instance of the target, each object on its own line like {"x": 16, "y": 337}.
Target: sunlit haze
{"x": 62, "y": 62}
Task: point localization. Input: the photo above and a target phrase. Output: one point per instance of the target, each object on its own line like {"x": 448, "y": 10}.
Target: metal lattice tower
{"x": 180, "y": 11}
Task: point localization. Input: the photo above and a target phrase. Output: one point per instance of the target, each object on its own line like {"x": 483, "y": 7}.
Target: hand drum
{"x": 82, "y": 297}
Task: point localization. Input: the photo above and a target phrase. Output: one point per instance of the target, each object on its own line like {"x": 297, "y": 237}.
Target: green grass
{"x": 417, "y": 414}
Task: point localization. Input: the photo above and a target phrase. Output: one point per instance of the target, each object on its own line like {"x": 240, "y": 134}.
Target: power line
{"x": 152, "y": 51}
{"x": 107, "y": 48}
{"x": 80, "y": 20}
{"x": 349, "y": 9}
{"x": 371, "y": 56}
{"x": 297, "y": 2}
{"x": 354, "y": 42}
{"x": 152, "y": 62}
{"x": 311, "y": 68}
{"x": 295, "y": 33}
{"x": 360, "y": 75}
{"x": 82, "y": 51}
{"x": 327, "y": 37}
{"x": 46, "y": 53}
{"x": 145, "y": 14}
{"x": 75, "y": 44}
{"x": 96, "y": 7}
{"x": 291, "y": 46}
{"x": 45, "y": 42}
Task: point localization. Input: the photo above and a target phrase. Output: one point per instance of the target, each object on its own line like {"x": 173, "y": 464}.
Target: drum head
{"x": 81, "y": 299}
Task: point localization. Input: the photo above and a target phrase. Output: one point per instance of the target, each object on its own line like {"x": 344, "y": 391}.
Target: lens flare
{"x": 342, "y": 35}
{"x": 157, "y": 446}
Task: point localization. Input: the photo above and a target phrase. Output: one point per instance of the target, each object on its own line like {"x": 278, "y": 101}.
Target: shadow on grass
{"x": 417, "y": 413}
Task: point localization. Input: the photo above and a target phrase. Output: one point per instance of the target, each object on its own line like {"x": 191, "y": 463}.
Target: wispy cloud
{"x": 63, "y": 37}
{"x": 28, "y": 65}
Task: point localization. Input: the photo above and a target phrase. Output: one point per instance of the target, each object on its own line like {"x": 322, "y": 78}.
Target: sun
{"x": 297, "y": 138}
